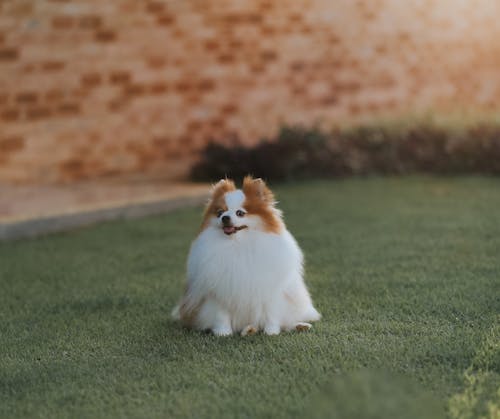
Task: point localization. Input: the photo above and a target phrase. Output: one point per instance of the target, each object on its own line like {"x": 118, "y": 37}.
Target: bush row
{"x": 299, "y": 153}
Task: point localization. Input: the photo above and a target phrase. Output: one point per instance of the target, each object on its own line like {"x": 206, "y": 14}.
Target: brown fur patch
{"x": 217, "y": 201}
{"x": 259, "y": 201}
{"x": 302, "y": 327}
{"x": 188, "y": 315}
{"x": 249, "y": 331}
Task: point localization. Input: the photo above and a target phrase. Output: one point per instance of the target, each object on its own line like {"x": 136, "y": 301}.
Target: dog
{"x": 245, "y": 269}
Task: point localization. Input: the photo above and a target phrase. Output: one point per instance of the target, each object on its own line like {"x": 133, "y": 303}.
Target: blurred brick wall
{"x": 93, "y": 87}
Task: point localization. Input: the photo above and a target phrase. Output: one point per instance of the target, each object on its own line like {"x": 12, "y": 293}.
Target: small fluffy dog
{"x": 244, "y": 270}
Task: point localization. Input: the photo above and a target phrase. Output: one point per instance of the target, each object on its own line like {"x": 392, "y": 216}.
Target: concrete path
{"x": 28, "y": 211}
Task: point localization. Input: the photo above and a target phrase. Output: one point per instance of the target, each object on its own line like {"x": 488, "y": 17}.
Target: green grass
{"x": 406, "y": 272}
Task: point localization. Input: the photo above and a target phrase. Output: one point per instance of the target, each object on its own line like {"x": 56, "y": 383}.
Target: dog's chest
{"x": 250, "y": 261}
{"x": 241, "y": 268}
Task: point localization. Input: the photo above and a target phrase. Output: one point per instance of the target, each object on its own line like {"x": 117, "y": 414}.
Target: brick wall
{"x": 92, "y": 87}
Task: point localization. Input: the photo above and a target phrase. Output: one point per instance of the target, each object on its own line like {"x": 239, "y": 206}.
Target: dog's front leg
{"x": 217, "y": 317}
{"x": 272, "y": 324}
{"x": 222, "y": 326}
{"x": 272, "y": 328}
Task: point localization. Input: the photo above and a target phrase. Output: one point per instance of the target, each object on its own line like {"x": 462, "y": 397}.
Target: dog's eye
{"x": 240, "y": 213}
{"x": 219, "y": 213}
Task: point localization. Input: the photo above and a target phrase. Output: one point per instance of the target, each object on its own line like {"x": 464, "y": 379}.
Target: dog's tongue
{"x": 229, "y": 229}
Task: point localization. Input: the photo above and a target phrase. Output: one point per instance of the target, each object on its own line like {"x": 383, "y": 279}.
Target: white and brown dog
{"x": 245, "y": 269}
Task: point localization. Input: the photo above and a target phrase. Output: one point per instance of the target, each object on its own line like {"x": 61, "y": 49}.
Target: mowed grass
{"x": 406, "y": 272}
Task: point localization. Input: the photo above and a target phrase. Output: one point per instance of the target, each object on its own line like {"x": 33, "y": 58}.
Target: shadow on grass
{"x": 372, "y": 394}
{"x": 357, "y": 394}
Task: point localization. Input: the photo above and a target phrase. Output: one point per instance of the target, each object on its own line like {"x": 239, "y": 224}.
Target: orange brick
{"x": 63, "y": 22}
{"x": 156, "y": 62}
{"x": 192, "y": 98}
{"x": 298, "y": 90}
{"x": 9, "y": 54}
{"x": 212, "y": 45}
{"x": 91, "y": 79}
{"x": 257, "y": 68}
{"x": 230, "y": 108}
{"x": 80, "y": 92}
{"x": 206, "y": 85}
{"x": 226, "y": 58}
{"x": 10, "y": 144}
{"x": 349, "y": 87}
{"x": 27, "y": 97}
{"x": 10, "y": 114}
{"x": 119, "y": 77}
{"x": 267, "y": 30}
{"x": 194, "y": 125}
{"x": 165, "y": 19}
{"x": 54, "y": 95}
{"x": 158, "y": 88}
{"x": 135, "y": 89}
{"x": 90, "y": 22}
{"x": 253, "y": 18}
{"x": 183, "y": 86}
{"x": 117, "y": 104}
{"x": 268, "y": 55}
{"x": 38, "y": 112}
{"x": 105, "y": 36}
{"x": 28, "y": 68}
{"x": 155, "y": 7}
{"x": 297, "y": 65}
{"x": 217, "y": 123}
{"x": 52, "y": 65}
{"x": 355, "y": 109}
{"x": 69, "y": 108}
{"x": 266, "y": 5}
{"x": 329, "y": 100}
{"x": 72, "y": 168}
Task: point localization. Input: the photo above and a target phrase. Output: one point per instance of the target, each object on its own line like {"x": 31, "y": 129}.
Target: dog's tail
{"x": 312, "y": 314}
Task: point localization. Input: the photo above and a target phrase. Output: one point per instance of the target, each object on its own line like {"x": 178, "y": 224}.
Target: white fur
{"x": 250, "y": 278}
{"x": 234, "y": 199}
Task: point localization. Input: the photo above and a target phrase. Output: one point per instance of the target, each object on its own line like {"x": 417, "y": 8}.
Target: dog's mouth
{"x": 228, "y": 230}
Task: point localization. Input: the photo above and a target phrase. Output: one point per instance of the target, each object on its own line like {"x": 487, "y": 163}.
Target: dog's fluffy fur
{"x": 244, "y": 270}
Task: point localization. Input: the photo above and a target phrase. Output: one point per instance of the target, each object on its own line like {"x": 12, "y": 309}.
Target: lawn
{"x": 406, "y": 272}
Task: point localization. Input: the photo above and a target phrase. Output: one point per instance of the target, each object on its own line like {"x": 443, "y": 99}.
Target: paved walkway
{"x": 27, "y": 211}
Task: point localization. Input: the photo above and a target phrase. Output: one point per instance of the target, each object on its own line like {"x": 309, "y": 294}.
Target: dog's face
{"x": 235, "y": 211}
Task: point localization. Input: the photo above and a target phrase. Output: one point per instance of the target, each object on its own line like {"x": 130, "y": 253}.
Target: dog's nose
{"x": 226, "y": 219}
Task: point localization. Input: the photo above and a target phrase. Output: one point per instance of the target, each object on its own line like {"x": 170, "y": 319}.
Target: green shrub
{"x": 299, "y": 153}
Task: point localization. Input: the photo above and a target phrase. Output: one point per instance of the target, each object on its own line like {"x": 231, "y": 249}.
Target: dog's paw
{"x": 272, "y": 329}
{"x": 222, "y": 331}
{"x": 303, "y": 327}
{"x": 249, "y": 330}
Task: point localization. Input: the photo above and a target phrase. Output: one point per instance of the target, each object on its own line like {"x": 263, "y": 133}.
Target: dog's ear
{"x": 216, "y": 199}
{"x": 221, "y": 187}
{"x": 258, "y": 188}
